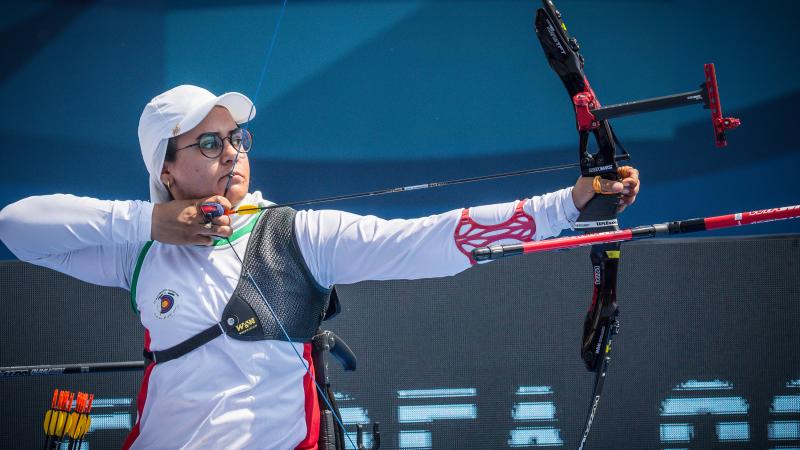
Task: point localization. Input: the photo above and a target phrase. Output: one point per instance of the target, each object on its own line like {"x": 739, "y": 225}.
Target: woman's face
{"x": 194, "y": 176}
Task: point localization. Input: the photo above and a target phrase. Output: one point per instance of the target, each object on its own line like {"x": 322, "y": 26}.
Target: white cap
{"x": 175, "y": 112}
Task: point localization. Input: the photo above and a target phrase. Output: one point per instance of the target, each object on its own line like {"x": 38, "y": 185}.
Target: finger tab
{"x": 211, "y": 210}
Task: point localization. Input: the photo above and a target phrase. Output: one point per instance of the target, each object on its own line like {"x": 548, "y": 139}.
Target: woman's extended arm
{"x": 341, "y": 247}
{"x": 89, "y": 239}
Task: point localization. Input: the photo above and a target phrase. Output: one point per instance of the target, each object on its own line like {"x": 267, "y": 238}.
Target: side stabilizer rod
{"x": 589, "y": 114}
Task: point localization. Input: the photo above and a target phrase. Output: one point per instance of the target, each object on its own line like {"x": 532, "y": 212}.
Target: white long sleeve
{"x": 98, "y": 240}
{"x": 90, "y": 239}
{"x": 340, "y": 247}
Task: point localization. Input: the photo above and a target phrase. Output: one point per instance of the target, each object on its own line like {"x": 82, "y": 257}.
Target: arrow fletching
{"x": 85, "y": 420}
{"x": 63, "y": 414}
{"x": 72, "y": 424}
{"x": 49, "y": 414}
{"x": 74, "y": 418}
{"x": 245, "y": 209}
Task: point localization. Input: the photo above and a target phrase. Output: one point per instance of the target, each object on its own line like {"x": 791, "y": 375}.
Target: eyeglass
{"x": 211, "y": 145}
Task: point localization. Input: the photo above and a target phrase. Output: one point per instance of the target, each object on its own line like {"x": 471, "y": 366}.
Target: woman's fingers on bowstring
{"x": 220, "y": 220}
{"x": 215, "y": 227}
{"x": 210, "y": 230}
{"x": 181, "y": 222}
{"x": 218, "y": 227}
{"x": 221, "y": 200}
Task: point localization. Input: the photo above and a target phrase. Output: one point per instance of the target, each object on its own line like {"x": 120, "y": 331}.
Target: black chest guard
{"x": 275, "y": 263}
{"x": 273, "y": 259}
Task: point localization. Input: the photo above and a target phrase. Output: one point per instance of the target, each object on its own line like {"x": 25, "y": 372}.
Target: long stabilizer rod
{"x": 641, "y": 232}
{"x": 65, "y": 369}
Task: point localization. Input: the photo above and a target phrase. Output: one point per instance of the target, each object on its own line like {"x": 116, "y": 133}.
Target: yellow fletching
{"x": 62, "y": 417}
{"x": 53, "y": 423}
{"x": 248, "y": 209}
{"x": 83, "y": 426}
{"x": 47, "y": 420}
{"x": 72, "y": 424}
{"x": 613, "y": 254}
{"x": 86, "y": 425}
{"x": 79, "y": 427}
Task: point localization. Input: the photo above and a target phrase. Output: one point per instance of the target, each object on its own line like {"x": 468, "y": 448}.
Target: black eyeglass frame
{"x": 219, "y": 143}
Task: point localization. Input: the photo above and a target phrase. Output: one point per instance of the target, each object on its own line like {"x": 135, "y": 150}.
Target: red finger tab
{"x": 211, "y": 210}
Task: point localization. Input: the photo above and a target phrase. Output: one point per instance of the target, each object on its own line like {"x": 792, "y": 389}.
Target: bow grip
{"x": 600, "y": 213}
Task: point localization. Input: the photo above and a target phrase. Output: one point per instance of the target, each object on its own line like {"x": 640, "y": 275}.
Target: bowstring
{"x": 261, "y": 78}
{"x": 305, "y": 365}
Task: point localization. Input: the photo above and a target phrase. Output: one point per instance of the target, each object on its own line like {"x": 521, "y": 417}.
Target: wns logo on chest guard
{"x": 165, "y": 304}
{"x": 243, "y": 326}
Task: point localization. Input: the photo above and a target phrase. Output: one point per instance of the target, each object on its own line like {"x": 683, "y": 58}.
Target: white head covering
{"x": 175, "y": 112}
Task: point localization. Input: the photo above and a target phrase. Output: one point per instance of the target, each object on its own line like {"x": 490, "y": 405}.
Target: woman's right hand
{"x": 180, "y": 222}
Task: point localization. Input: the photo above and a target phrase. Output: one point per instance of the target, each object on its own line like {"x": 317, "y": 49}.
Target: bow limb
{"x": 600, "y": 214}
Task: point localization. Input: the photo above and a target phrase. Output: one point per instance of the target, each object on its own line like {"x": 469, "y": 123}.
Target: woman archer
{"x": 217, "y": 381}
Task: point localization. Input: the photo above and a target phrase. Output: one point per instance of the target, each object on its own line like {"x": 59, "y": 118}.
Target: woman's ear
{"x": 166, "y": 176}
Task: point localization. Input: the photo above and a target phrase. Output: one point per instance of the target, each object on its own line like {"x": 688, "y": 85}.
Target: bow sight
{"x": 562, "y": 52}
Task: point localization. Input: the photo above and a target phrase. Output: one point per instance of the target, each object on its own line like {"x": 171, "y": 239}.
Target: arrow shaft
{"x": 415, "y": 187}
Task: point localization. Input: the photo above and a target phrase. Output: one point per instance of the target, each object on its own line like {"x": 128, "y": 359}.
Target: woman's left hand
{"x": 628, "y": 186}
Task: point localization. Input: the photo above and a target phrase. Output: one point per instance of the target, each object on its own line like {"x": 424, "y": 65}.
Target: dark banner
{"x": 707, "y": 355}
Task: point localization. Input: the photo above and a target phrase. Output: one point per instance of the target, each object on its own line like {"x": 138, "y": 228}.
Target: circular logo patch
{"x": 165, "y": 303}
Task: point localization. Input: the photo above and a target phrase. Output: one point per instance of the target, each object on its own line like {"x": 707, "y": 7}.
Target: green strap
{"x": 247, "y": 228}
{"x": 136, "y": 271}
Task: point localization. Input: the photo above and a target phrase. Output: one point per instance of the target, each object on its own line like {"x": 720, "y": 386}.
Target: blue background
{"x": 363, "y": 95}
